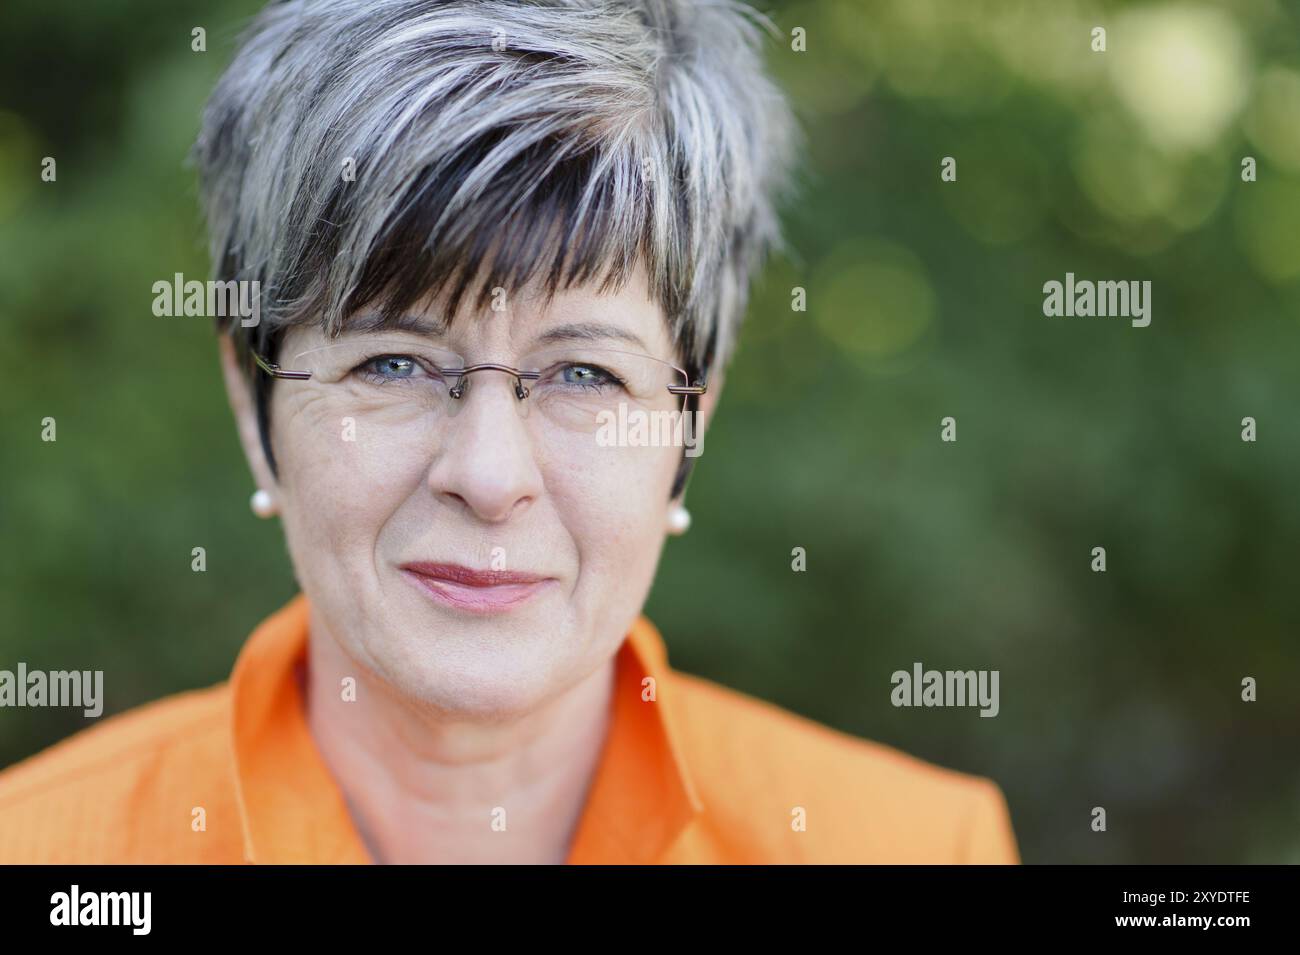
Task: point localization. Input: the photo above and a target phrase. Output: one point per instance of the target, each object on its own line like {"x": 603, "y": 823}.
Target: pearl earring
{"x": 679, "y": 520}
{"x": 262, "y": 503}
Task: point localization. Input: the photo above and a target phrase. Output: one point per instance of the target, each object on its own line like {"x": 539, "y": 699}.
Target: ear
{"x": 240, "y": 393}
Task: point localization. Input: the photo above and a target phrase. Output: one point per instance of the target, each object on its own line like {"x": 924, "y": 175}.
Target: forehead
{"x": 521, "y": 318}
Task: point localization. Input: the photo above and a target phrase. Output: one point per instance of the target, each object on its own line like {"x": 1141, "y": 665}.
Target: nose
{"x": 487, "y": 460}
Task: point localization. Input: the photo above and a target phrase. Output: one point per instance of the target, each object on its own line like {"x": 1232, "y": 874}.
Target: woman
{"x": 502, "y": 252}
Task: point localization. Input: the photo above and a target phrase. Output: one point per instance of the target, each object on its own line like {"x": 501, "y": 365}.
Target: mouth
{"x": 474, "y": 591}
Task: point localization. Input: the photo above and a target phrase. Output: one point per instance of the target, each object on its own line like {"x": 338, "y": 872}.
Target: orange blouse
{"x": 700, "y": 774}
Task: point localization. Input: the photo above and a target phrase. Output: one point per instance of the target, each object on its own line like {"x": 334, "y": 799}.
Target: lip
{"x": 474, "y": 591}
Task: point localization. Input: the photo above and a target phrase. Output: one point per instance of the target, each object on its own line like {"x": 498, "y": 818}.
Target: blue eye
{"x": 391, "y": 366}
{"x": 589, "y": 376}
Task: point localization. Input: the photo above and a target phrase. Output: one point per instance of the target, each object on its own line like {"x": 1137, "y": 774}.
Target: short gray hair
{"x": 570, "y": 139}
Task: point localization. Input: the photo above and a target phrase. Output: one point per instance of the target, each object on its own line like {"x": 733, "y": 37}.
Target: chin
{"x": 465, "y": 678}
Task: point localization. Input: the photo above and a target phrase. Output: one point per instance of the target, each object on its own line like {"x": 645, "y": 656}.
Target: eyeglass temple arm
{"x": 275, "y": 371}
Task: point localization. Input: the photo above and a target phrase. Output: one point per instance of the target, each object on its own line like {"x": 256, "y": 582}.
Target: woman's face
{"x": 396, "y": 522}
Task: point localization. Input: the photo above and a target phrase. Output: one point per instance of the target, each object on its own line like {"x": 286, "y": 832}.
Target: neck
{"x": 430, "y": 788}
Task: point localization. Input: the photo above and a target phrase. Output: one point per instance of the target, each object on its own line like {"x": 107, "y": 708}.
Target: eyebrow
{"x": 378, "y": 322}
{"x": 589, "y": 331}
{"x": 422, "y": 325}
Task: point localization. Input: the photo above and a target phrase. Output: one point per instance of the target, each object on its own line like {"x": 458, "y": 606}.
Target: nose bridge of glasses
{"x": 461, "y": 378}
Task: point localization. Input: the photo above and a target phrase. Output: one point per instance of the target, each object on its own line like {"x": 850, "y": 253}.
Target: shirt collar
{"x": 292, "y": 811}
{"x": 643, "y": 795}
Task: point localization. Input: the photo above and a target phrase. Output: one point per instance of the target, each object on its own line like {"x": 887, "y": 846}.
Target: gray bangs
{"x": 372, "y": 153}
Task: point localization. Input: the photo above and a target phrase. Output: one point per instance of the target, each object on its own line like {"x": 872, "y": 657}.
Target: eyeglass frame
{"x": 273, "y": 371}
{"x": 457, "y": 390}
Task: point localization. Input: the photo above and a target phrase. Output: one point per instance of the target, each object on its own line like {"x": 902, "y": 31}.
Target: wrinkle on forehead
{"x": 535, "y": 315}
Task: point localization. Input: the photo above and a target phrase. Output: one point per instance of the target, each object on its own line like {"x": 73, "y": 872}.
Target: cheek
{"x": 615, "y": 509}
{"x": 337, "y": 487}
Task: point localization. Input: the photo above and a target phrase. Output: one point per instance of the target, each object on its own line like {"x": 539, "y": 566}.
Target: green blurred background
{"x": 925, "y": 298}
